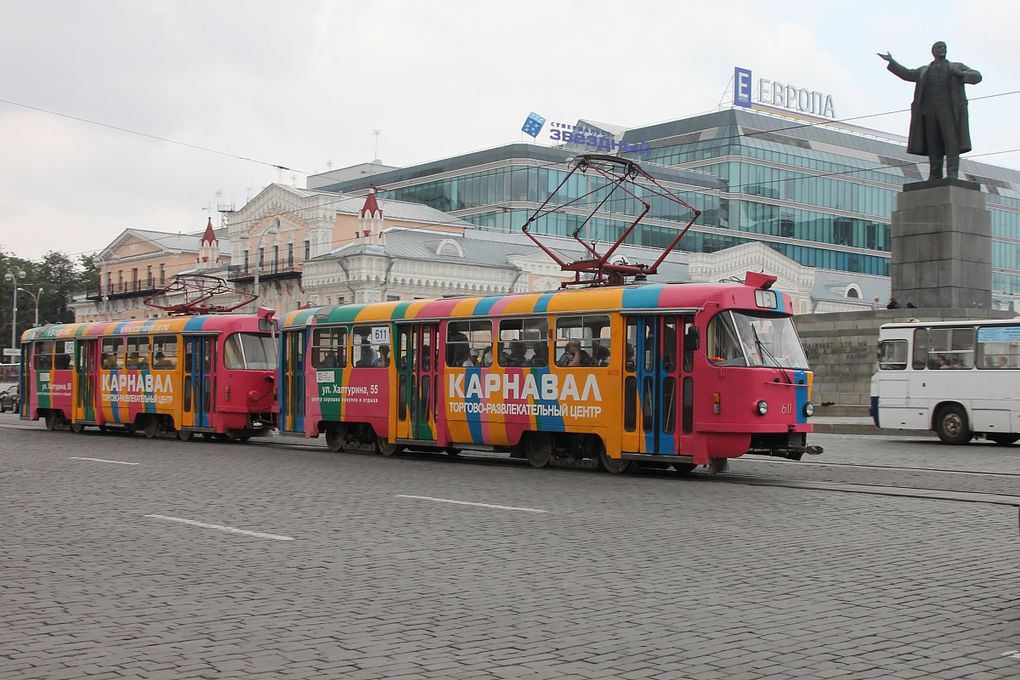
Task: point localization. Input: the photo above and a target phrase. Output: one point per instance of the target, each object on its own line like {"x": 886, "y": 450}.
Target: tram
{"x": 680, "y": 374}
{"x": 210, "y": 374}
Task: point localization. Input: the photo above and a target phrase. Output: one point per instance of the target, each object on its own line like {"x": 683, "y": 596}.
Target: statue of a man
{"x": 938, "y": 115}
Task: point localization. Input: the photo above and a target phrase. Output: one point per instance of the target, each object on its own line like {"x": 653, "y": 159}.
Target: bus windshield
{"x": 250, "y": 351}
{"x": 739, "y": 339}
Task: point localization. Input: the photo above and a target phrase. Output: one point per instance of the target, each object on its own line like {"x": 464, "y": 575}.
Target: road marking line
{"x": 220, "y": 527}
{"x": 1013, "y": 654}
{"x": 103, "y": 460}
{"x": 480, "y": 505}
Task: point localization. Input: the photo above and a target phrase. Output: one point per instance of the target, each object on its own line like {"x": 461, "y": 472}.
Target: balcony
{"x": 125, "y": 289}
{"x": 271, "y": 269}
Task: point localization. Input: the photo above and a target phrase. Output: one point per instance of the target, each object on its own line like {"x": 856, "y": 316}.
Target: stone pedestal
{"x": 942, "y": 246}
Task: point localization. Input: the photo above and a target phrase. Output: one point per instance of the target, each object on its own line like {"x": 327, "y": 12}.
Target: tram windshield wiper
{"x": 764, "y": 352}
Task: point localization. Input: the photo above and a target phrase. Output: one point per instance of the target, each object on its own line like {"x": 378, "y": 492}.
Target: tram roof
{"x": 171, "y": 324}
{"x": 651, "y": 296}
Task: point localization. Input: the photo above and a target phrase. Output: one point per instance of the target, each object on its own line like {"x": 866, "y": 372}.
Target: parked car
{"x": 10, "y": 400}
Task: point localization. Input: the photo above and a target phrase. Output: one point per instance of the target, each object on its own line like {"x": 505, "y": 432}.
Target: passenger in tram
{"x": 600, "y": 353}
{"x": 159, "y": 360}
{"x": 540, "y": 355}
{"x": 515, "y": 355}
{"x": 573, "y": 355}
{"x": 367, "y": 357}
{"x": 383, "y": 359}
{"x": 63, "y": 361}
{"x": 1002, "y": 362}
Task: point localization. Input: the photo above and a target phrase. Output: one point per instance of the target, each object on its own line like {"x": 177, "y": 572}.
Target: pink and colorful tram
{"x": 210, "y": 374}
{"x": 685, "y": 374}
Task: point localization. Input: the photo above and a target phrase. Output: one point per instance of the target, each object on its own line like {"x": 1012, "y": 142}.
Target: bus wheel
{"x": 1003, "y": 439}
{"x": 684, "y": 468}
{"x": 539, "y": 450}
{"x": 150, "y": 428}
{"x": 951, "y": 425}
{"x": 614, "y": 465}
{"x": 184, "y": 435}
{"x": 385, "y": 448}
{"x": 334, "y": 437}
{"x": 77, "y": 428}
{"x": 51, "y": 420}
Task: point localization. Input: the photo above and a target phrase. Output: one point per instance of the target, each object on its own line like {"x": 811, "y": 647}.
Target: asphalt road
{"x": 124, "y": 557}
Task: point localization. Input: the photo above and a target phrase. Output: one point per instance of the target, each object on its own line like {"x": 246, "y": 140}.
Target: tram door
{"x": 651, "y": 378}
{"x": 293, "y": 387}
{"x": 417, "y": 381}
{"x": 198, "y": 379}
{"x": 85, "y": 364}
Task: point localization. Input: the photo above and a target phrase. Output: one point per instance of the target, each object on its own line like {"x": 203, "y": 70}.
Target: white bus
{"x": 958, "y": 378}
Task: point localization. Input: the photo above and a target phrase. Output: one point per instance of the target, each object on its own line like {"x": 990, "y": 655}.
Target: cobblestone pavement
{"x": 634, "y": 576}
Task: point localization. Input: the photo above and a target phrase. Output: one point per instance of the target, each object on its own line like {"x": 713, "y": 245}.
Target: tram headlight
{"x": 762, "y": 407}
{"x": 809, "y": 409}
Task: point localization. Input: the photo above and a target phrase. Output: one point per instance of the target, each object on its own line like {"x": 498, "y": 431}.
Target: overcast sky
{"x": 304, "y": 83}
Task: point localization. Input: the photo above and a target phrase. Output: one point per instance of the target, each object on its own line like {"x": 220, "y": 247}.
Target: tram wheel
{"x": 184, "y": 435}
{"x": 385, "y": 448}
{"x": 452, "y": 451}
{"x": 51, "y": 420}
{"x": 539, "y": 451}
{"x": 614, "y": 465}
{"x": 77, "y": 428}
{"x": 951, "y": 425}
{"x": 208, "y": 436}
{"x": 150, "y": 428}
{"x": 1003, "y": 439}
{"x": 334, "y": 437}
{"x": 684, "y": 468}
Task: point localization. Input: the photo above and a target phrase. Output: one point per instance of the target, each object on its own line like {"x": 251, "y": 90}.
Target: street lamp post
{"x": 13, "y": 275}
{"x": 271, "y": 229}
{"x": 35, "y": 298}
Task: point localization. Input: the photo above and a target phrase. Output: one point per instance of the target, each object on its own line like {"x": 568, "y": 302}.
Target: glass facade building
{"x": 822, "y": 195}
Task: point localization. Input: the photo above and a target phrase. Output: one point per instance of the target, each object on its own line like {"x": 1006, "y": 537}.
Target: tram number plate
{"x": 380, "y": 335}
{"x": 786, "y": 408}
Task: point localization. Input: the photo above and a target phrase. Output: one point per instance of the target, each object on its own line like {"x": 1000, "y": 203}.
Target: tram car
{"x": 682, "y": 374}
{"x": 213, "y": 375}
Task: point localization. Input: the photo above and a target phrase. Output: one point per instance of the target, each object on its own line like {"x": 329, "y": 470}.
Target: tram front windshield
{"x": 739, "y": 339}
{"x": 250, "y": 351}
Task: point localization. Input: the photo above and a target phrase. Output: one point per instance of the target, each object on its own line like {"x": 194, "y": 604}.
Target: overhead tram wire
{"x": 129, "y": 131}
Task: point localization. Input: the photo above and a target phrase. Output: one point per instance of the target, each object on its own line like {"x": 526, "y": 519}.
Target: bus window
{"x": 523, "y": 342}
{"x": 583, "y": 341}
{"x": 137, "y": 354}
{"x": 892, "y": 355}
{"x": 329, "y": 347}
{"x": 998, "y": 347}
{"x": 469, "y": 343}
{"x": 250, "y": 351}
{"x": 920, "y": 353}
{"x": 112, "y": 354}
{"x": 42, "y": 359}
{"x": 951, "y": 348}
{"x": 164, "y": 352}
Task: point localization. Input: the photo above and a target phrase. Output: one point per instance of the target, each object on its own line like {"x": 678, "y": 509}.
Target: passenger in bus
{"x": 383, "y": 359}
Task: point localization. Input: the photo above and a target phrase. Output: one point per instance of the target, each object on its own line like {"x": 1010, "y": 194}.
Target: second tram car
{"x": 684, "y": 374}
{"x": 208, "y": 374}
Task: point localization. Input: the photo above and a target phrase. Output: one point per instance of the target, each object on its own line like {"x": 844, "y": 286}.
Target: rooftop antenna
{"x": 375, "y": 157}
{"x": 329, "y": 165}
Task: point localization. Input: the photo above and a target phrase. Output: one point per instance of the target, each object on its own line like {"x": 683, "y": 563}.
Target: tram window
{"x": 43, "y": 356}
{"x": 892, "y": 355}
{"x": 669, "y": 343}
{"x": 249, "y": 351}
{"x": 329, "y": 347}
{"x": 469, "y": 343}
{"x": 669, "y": 404}
{"x": 919, "y": 356}
{"x": 583, "y": 341}
{"x": 423, "y": 403}
{"x": 164, "y": 352}
{"x": 137, "y": 354}
{"x": 405, "y": 334}
{"x": 371, "y": 346}
{"x": 998, "y": 347}
{"x": 62, "y": 356}
{"x": 951, "y": 348}
{"x": 647, "y": 404}
{"x": 523, "y": 343}
{"x": 112, "y": 354}
{"x": 632, "y": 336}
{"x": 630, "y": 403}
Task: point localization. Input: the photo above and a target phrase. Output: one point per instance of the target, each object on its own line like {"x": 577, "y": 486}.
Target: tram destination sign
{"x": 772, "y": 95}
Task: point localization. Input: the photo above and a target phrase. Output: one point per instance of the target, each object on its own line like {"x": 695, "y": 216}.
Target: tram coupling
{"x": 791, "y": 445}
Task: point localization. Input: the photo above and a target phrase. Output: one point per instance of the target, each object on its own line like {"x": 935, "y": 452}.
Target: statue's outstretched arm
{"x": 899, "y": 70}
